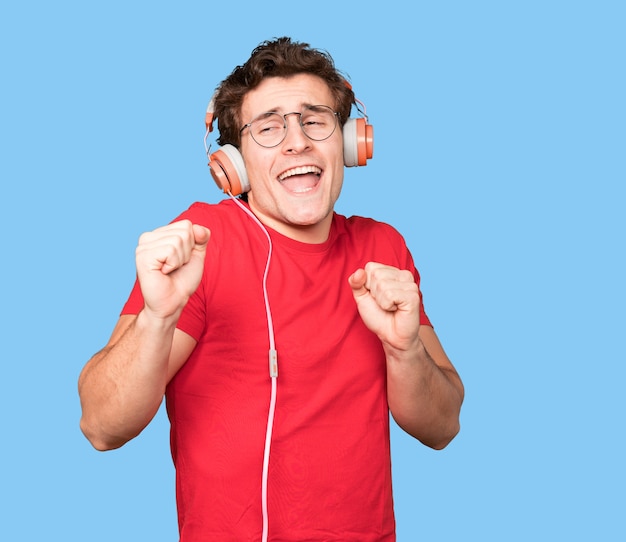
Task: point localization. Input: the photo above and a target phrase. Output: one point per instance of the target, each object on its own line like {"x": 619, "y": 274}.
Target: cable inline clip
{"x": 273, "y": 363}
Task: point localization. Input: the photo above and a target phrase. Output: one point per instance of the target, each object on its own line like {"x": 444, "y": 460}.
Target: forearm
{"x": 122, "y": 386}
{"x": 424, "y": 398}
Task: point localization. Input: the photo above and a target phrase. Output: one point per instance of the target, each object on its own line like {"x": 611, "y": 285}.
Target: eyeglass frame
{"x": 286, "y": 127}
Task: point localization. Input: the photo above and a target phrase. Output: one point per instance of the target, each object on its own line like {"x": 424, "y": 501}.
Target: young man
{"x": 281, "y": 333}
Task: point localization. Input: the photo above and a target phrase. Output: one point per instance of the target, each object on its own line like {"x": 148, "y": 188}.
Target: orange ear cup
{"x": 228, "y": 170}
{"x": 365, "y": 141}
{"x": 358, "y": 142}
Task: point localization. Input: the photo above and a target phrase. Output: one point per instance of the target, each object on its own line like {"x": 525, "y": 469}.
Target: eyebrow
{"x": 302, "y": 106}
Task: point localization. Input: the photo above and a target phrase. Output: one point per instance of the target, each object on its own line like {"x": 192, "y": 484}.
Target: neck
{"x": 313, "y": 234}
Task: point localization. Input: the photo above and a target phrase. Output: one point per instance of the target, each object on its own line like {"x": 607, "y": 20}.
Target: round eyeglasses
{"x": 318, "y": 122}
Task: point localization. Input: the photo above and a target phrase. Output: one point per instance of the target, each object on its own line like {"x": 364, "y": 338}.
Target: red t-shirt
{"x": 330, "y": 466}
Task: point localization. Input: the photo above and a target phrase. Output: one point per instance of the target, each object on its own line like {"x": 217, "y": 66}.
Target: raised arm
{"x": 122, "y": 386}
{"x": 424, "y": 391}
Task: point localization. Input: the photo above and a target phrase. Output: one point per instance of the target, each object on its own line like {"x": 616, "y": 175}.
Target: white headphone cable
{"x": 273, "y": 368}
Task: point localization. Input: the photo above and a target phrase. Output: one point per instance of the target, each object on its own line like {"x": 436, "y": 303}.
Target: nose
{"x": 295, "y": 140}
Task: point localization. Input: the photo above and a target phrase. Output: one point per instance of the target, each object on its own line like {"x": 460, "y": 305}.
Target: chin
{"x": 307, "y": 216}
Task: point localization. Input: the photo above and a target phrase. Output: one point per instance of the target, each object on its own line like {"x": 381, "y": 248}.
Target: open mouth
{"x": 301, "y": 179}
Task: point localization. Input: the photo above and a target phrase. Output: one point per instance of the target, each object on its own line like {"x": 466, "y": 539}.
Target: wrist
{"x": 151, "y": 322}
{"x": 407, "y": 351}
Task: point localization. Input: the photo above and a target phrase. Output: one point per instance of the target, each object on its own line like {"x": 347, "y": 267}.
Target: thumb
{"x": 357, "y": 283}
{"x": 201, "y": 236}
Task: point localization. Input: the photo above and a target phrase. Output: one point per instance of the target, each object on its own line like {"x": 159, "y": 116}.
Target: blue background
{"x": 499, "y": 154}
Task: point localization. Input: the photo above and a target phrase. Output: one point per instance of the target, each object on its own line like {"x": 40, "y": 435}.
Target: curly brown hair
{"x": 280, "y": 57}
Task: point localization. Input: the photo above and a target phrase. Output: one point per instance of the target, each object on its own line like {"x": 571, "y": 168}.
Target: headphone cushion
{"x": 229, "y": 171}
{"x": 358, "y": 142}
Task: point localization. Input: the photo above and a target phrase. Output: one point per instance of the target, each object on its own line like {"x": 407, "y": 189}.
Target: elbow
{"x": 449, "y": 427}
{"x": 435, "y": 435}
{"x": 441, "y": 441}
{"x": 99, "y": 440}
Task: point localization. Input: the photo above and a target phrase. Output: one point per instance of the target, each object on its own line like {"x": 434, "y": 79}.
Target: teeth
{"x": 299, "y": 171}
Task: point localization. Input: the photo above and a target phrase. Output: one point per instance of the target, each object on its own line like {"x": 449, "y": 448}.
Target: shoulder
{"x": 372, "y": 240}
{"x": 224, "y": 219}
{"x": 207, "y": 213}
{"x": 233, "y": 232}
{"x": 363, "y": 228}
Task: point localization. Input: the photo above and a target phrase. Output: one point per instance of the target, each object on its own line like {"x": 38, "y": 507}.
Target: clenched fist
{"x": 170, "y": 262}
{"x": 388, "y": 301}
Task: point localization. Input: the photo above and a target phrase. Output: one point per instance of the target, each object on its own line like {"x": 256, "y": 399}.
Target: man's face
{"x": 293, "y": 186}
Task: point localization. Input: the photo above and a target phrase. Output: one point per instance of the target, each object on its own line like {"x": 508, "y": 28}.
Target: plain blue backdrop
{"x": 500, "y": 155}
